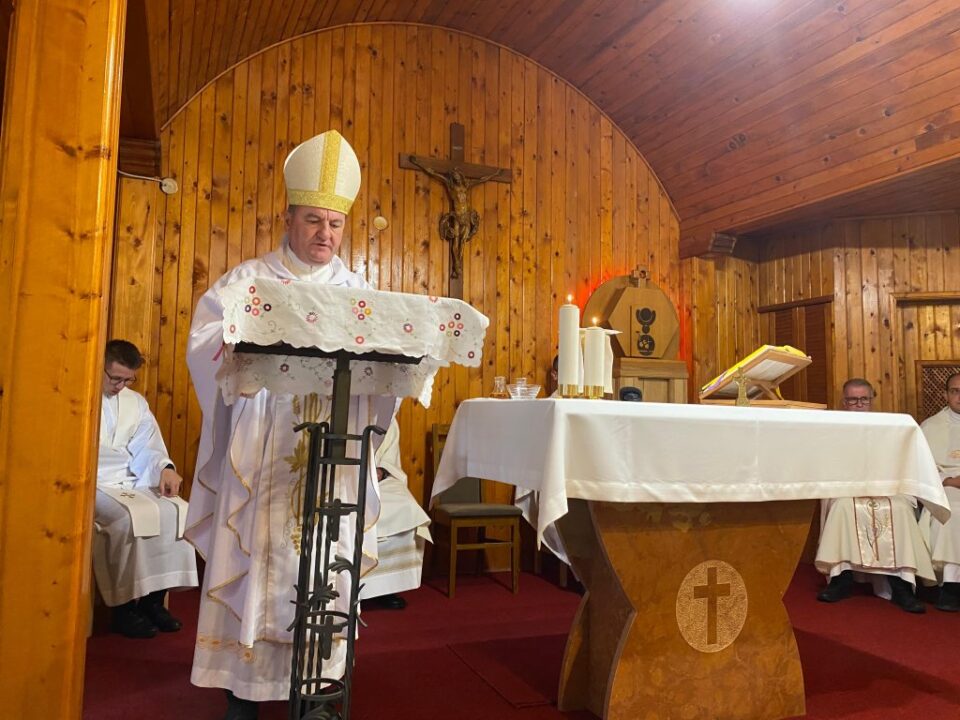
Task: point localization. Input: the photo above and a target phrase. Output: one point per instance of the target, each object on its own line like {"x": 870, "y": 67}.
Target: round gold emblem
{"x": 711, "y": 606}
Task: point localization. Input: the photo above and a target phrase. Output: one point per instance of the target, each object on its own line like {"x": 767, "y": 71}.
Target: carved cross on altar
{"x": 462, "y": 221}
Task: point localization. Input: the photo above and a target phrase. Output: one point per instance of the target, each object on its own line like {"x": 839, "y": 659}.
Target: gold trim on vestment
{"x": 246, "y": 486}
{"x": 222, "y": 585}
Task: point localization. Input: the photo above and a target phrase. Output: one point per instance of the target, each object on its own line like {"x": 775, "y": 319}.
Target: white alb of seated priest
{"x": 245, "y": 509}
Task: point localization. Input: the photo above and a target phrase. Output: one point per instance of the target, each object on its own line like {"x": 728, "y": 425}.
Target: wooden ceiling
{"x": 751, "y": 112}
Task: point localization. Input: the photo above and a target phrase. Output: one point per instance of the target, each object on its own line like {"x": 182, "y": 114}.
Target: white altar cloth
{"x": 662, "y": 452}
{"x": 265, "y": 311}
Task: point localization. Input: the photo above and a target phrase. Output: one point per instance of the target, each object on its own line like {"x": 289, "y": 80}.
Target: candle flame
{"x": 569, "y": 298}
{"x": 595, "y": 321}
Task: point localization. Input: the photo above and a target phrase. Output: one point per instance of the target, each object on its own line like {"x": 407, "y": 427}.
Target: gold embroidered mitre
{"x": 323, "y": 172}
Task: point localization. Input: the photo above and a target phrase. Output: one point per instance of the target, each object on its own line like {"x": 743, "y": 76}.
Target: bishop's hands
{"x": 953, "y": 482}
{"x": 170, "y": 482}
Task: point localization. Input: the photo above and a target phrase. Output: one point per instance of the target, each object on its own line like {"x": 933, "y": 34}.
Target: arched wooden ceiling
{"x": 751, "y": 112}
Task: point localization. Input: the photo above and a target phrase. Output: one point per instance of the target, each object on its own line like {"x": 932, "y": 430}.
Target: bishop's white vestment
{"x": 402, "y": 530}
{"x": 943, "y": 435}
{"x": 138, "y": 545}
{"x": 246, "y": 502}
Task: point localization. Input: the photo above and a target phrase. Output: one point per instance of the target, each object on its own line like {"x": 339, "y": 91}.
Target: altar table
{"x": 685, "y": 524}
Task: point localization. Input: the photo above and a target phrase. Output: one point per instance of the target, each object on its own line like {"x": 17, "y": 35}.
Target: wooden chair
{"x": 462, "y": 506}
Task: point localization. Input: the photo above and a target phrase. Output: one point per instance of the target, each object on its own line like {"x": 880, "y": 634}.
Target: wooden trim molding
{"x": 939, "y": 296}
{"x": 140, "y": 157}
{"x": 821, "y": 300}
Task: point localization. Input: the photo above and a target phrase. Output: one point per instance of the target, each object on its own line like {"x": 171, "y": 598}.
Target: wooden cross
{"x": 462, "y": 222}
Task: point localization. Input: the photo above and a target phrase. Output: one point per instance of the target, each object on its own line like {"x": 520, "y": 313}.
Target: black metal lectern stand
{"x": 316, "y": 623}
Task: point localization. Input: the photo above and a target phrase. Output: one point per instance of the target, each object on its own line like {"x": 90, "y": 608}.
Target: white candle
{"x": 569, "y": 350}
{"x": 593, "y": 357}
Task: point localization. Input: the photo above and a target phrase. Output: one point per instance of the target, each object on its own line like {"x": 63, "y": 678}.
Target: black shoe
{"x": 390, "y": 602}
{"x": 128, "y": 621}
{"x": 949, "y": 600}
{"x": 240, "y": 709}
{"x": 839, "y": 588}
{"x": 901, "y": 595}
{"x": 151, "y": 606}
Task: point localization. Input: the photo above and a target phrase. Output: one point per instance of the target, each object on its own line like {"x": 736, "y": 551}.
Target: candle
{"x": 569, "y": 350}
{"x": 594, "y": 361}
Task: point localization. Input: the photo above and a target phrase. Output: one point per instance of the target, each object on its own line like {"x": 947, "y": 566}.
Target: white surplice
{"x": 943, "y": 434}
{"x": 137, "y": 545}
{"x": 247, "y": 497}
{"x": 874, "y": 537}
{"x": 402, "y": 530}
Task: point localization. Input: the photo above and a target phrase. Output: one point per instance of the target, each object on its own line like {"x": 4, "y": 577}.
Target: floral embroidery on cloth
{"x": 266, "y": 311}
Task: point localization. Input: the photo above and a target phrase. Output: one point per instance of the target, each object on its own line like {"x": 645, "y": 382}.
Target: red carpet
{"x": 522, "y": 670}
{"x": 491, "y": 654}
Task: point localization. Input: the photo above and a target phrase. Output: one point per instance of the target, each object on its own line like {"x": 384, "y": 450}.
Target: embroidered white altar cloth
{"x": 266, "y": 311}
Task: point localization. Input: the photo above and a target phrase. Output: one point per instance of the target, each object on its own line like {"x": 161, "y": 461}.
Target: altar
{"x": 685, "y": 524}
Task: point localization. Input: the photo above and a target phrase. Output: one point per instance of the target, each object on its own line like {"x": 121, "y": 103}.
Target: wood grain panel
{"x": 751, "y": 114}
{"x": 134, "y": 273}
{"x": 583, "y": 205}
{"x": 58, "y": 164}
{"x": 875, "y": 260}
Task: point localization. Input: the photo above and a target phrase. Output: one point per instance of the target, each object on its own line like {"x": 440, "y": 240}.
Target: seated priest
{"x": 402, "y": 531}
{"x": 246, "y": 502}
{"x": 943, "y": 435}
{"x": 871, "y": 539}
{"x": 138, "y": 548}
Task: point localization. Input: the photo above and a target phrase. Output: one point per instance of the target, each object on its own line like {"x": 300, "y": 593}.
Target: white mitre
{"x": 323, "y": 172}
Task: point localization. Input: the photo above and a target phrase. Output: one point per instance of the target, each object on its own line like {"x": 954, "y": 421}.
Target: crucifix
{"x": 462, "y": 221}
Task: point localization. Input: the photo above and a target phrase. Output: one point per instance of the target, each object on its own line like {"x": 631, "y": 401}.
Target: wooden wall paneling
{"x": 853, "y": 302}
{"x": 133, "y": 276}
{"x": 266, "y": 153}
{"x": 177, "y": 440}
{"x": 515, "y": 293}
{"x": 295, "y": 99}
{"x": 501, "y": 319}
{"x": 528, "y": 224}
{"x": 201, "y": 277}
{"x": 606, "y": 262}
{"x": 357, "y": 94}
{"x": 382, "y": 158}
{"x": 468, "y": 382}
{"x": 249, "y": 92}
{"x": 581, "y": 212}
{"x": 886, "y": 351}
{"x": 870, "y": 311}
{"x": 325, "y": 69}
{"x": 558, "y": 237}
{"x": 900, "y": 280}
{"x": 950, "y": 224}
{"x": 542, "y": 265}
{"x": 166, "y": 347}
{"x": 220, "y": 180}
{"x": 936, "y": 281}
{"x": 595, "y": 199}
{"x": 841, "y": 354}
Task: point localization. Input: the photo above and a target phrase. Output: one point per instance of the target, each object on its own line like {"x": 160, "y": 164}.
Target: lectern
{"x": 298, "y": 338}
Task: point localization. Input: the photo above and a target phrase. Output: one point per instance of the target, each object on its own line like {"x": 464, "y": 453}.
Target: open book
{"x": 763, "y": 370}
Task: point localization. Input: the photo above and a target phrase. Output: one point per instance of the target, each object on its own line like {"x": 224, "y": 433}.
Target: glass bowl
{"x": 523, "y": 392}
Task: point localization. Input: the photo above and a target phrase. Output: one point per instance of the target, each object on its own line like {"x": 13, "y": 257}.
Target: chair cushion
{"x": 478, "y": 510}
